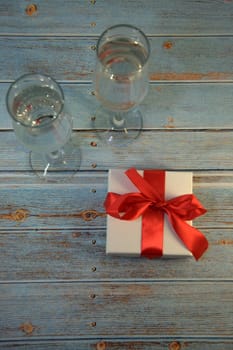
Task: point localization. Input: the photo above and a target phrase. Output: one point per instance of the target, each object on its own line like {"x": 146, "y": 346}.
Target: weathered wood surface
{"x": 118, "y": 344}
{"x": 167, "y": 149}
{"x": 73, "y": 59}
{"x": 71, "y": 229}
{"x": 79, "y": 254}
{"x": 66, "y": 204}
{"x": 140, "y": 310}
{"x": 91, "y": 17}
{"x": 167, "y": 106}
{"x": 58, "y": 289}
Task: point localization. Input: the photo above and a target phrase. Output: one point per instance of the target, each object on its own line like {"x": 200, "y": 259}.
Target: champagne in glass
{"x": 36, "y": 104}
{"x": 121, "y": 82}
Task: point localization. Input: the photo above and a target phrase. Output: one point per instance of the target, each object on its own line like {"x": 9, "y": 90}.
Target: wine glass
{"x": 36, "y": 104}
{"x": 120, "y": 82}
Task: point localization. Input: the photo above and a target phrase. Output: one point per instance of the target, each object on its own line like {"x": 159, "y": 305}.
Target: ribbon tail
{"x": 152, "y": 239}
{"x": 193, "y": 239}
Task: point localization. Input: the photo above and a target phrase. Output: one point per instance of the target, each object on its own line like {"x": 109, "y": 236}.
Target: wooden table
{"x": 58, "y": 289}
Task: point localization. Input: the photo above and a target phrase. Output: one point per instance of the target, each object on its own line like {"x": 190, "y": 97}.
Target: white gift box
{"x": 124, "y": 237}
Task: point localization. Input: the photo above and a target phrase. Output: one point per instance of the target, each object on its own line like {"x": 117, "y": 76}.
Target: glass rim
{"x": 28, "y": 75}
{"x": 130, "y": 27}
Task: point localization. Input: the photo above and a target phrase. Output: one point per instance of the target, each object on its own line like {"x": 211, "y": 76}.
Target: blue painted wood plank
{"x": 167, "y": 149}
{"x": 74, "y": 202}
{"x": 67, "y": 204}
{"x": 79, "y": 254}
{"x": 112, "y": 344}
{"x": 150, "y": 310}
{"x": 73, "y": 59}
{"x": 92, "y": 17}
{"x": 167, "y": 106}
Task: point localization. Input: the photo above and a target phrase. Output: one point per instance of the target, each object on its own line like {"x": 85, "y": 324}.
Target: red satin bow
{"x": 151, "y": 205}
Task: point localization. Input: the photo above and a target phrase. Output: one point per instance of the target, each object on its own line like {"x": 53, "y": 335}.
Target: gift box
{"x": 147, "y": 208}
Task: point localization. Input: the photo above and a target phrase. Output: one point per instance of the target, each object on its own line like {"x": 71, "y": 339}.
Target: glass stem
{"x": 118, "y": 120}
{"x": 55, "y": 156}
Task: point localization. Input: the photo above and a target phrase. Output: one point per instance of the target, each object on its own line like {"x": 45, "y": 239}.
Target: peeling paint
{"x": 170, "y": 123}
{"x": 167, "y": 45}
{"x": 225, "y": 242}
{"x": 76, "y": 234}
{"x": 27, "y": 328}
{"x": 101, "y": 346}
{"x": 31, "y": 9}
{"x": 86, "y": 215}
{"x": 191, "y": 76}
{"x": 65, "y": 244}
{"x": 174, "y": 346}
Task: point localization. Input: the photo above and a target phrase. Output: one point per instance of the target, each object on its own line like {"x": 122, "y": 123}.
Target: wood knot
{"x": 31, "y": 9}
{"x": 20, "y": 215}
{"x": 27, "y": 328}
{"x": 175, "y": 346}
{"x": 167, "y": 45}
{"x": 89, "y": 214}
{"x": 101, "y": 345}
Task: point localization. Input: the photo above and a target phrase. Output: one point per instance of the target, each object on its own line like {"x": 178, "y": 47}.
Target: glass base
{"x": 117, "y": 128}
{"x": 67, "y": 159}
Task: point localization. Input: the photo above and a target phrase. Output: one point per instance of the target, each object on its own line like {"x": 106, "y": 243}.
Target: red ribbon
{"x": 150, "y": 203}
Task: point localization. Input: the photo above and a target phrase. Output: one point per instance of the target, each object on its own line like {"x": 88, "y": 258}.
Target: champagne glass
{"x": 36, "y": 104}
{"x": 120, "y": 82}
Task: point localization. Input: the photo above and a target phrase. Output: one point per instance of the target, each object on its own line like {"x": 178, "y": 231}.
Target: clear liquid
{"x": 121, "y": 74}
{"x": 36, "y": 102}
{"x": 44, "y": 129}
